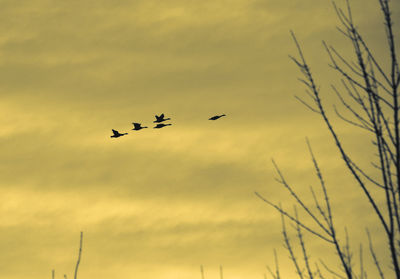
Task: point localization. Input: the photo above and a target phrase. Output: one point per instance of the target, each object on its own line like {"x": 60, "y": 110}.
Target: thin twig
{"x": 79, "y": 256}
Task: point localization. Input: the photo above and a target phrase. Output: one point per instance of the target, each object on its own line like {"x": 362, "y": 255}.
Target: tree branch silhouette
{"x": 369, "y": 101}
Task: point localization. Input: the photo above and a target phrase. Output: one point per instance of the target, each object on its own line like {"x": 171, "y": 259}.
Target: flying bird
{"x": 216, "y": 117}
{"x": 161, "y": 125}
{"x": 160, "y": 118}
{"x": 138, "y": 126}
{"x": 117, "y": 134}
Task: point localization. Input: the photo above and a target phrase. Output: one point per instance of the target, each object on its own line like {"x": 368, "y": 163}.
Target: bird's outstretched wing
{"x": 216, "y": 117}
{"x": 116, "y": 133}
{"x": 137, "y": 125}
{"x": 162, "y": 116}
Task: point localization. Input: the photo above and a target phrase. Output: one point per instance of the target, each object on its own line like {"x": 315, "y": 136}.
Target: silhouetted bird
{"x": 160, "y": 118}
{"x": 138, "y": 126}
{"x": 117, "y": 134}
{"x": 161, "y": 125}
{"x": 216, "y": 117}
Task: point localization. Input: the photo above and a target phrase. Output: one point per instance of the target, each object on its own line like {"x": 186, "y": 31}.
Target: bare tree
{"x": 370, "y": 97}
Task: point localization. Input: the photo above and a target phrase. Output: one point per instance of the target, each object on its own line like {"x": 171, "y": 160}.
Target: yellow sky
{"x": 160, "y": 203}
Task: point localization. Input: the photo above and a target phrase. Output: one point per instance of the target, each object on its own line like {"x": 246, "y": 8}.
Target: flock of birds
{"x": 159, "y": 119}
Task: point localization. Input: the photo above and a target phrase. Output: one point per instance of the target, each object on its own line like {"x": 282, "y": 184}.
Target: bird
{"x": 216, "y": 117}
{"x": 117, "y": 134}
{"x": 138, "y": 126}
{"x": 161, "y": 125}
{"x": 160, "y": 118}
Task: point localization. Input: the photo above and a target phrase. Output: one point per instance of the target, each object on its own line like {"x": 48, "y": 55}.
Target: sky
{"x": 161, "y": 203}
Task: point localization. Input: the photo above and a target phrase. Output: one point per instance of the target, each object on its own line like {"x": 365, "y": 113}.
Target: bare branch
{"x": 298, "y": 200}
{"x": 303, "y": 249}
{"x": 275, "y": 274}
{"x": 288, "y": 246}
{"x": 331, "y": 271}
{"x": 372, "y": 250}
{"x": 79, "y": 256}
{"x": 280, "y": 210}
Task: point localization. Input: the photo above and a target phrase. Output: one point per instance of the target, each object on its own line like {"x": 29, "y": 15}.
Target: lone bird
{"x": 216, "y": 117}
{"x": 161, "y": 125}
{"x": 138, "y": 126}
{"x": 117, "y": 134}
{"x": 160, "y": 118}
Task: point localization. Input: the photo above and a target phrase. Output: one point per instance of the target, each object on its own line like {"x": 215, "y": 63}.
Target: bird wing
{"x": 137, "y": 125}
{"x": 116, "y": 133}
{"x": 162, "y": 116}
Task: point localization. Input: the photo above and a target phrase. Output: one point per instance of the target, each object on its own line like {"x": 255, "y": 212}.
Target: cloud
{"x": 160, "y": 202}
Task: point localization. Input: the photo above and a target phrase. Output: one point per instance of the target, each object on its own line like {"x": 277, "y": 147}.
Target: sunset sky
{"x": 160, "y": 203}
